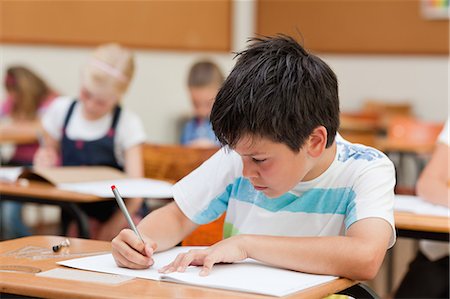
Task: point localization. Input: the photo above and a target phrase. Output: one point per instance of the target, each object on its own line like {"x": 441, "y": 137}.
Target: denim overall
{"x": 99, "y": 152}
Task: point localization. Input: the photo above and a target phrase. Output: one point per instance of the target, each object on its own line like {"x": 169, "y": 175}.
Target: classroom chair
{"x": 359, "y": 127}
{"x": 172, "y": 163}
{"x": 385, "y": 111}
{"x": 409, "y": 137}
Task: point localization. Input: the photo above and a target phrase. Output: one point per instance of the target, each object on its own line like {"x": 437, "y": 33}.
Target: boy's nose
{"x": 249, "y": 170}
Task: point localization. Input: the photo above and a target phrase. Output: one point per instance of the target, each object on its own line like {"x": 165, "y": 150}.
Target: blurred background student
{"x": 428, "y": 273}
{"x": 27, "y": 98}
{"x": 204, "y": 81}
{"x": 94, "y": 129}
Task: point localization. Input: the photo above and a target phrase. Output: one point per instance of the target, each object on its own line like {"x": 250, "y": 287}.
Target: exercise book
{"x": 246, "y": 276}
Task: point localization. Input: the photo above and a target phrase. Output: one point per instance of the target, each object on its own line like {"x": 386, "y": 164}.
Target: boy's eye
{"x": 258, "y": 160}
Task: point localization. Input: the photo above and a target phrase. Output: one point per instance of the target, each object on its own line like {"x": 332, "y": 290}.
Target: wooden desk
{"x": 31, "y": 285}
{"x": 17, "y": 136}
{"x": 47, "y": 194}
{"x": 418, "y": 226}
{"x": 386, "y": 145}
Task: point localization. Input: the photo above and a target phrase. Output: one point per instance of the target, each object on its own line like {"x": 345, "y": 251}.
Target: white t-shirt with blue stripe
{"x": 358, "y": 184}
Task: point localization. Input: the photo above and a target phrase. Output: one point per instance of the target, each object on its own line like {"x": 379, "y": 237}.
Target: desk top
{"x": 425, "y": 223}
{"x": 31, "y": 285}
{"x": 38, "y": 190}
{"x": 17, "y": 136}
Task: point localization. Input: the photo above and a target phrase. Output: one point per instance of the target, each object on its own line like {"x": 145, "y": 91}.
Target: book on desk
{"x": 94, "y": 180}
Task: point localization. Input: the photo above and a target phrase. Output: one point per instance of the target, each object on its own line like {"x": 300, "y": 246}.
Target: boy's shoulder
{"x": 358, "y": 153}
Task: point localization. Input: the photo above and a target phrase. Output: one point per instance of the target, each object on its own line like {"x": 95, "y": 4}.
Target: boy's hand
{"x": 226, "y": 251}
{"x": 129, "y": 251}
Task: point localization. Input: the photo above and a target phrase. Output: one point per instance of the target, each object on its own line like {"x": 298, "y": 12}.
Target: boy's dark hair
{"x": 204, "y": 73}
{"x": 277, "y": 90}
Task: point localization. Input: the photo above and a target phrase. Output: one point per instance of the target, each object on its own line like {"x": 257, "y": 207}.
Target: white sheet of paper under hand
{"x": 247, "y": 276}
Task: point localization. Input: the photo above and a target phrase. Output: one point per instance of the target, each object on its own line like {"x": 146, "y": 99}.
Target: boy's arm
{"x": 161, "y": 230}
{"x": 433, "y": 184}
{"x": 358, "y": 255}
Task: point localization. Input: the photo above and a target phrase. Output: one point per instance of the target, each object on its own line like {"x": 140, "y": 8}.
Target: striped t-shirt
{"x": 358, "y": 184}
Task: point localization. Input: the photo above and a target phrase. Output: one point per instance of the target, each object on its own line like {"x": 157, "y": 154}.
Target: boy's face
{"x": 272, "y": 167}
{"x": 203, "y": 99}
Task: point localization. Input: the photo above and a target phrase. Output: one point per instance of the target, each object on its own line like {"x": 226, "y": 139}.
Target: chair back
{"x": 359, "y": 127}
{"x": 173, "y": 162}
{"x": 414, "y": 132}
{"x": 386, "y": 111}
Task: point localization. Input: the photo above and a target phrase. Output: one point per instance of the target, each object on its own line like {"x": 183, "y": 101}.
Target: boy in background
{"x": 295, "y": 196}
{"x": 204, "y": 80}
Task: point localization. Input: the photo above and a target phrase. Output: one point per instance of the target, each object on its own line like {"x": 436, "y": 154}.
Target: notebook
{"x": 247, "y": 276}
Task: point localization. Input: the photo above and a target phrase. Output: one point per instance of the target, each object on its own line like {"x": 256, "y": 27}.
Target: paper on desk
{"x": 248, "y": 276}
{"x": 414, "y": 204}
{"x": 10, "y": 174}
{"x": 138, "y": 187}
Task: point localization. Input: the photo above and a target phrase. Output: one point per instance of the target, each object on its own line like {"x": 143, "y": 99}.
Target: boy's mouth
{"x": 259, "y": 188}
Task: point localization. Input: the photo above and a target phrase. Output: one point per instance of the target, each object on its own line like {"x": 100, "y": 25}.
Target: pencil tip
{"x": 113, "y": 187}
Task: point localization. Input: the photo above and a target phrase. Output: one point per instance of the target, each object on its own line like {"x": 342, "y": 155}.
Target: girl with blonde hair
{"x": 93, "y": 129}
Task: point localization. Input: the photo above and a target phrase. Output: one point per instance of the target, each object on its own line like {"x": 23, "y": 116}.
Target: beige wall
{"x": 158, "y": 93}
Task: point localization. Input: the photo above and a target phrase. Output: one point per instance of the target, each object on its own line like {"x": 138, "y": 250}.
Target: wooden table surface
{"x": 46, "y": 191}
{"x": 425, "y": 223}
{"x": 30, "y": 285}
{"x": 17, "y": 136}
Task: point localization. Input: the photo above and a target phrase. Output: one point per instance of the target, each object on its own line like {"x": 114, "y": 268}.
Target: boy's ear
{"x": 317, "y": 141}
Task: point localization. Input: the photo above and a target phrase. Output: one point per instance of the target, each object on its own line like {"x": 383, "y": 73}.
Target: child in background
{"x": 93, "y": 129}
{"x": 296, "y": 196}
{"x": 204, "y": 80}
{"x": 428, "y": 274}
{"x": 27, "y": 98}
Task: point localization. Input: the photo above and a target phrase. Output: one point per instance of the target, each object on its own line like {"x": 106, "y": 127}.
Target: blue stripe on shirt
{"x": 317, "y": 200}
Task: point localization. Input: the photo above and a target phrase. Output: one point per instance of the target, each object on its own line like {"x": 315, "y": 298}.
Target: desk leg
{"x": 79, "y": 216}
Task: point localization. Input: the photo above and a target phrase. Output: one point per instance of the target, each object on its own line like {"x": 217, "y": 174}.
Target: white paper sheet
{"x": 139, "y": 187}
{"x": 414, "y": 204}
{"x": 10, "y": 174}
{"x": 248, "y": 276}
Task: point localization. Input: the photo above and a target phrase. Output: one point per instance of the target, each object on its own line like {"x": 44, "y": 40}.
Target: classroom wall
{"x": 158, "y": 93}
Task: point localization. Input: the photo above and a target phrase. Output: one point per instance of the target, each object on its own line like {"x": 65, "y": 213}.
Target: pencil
{"x": 125, "y": 211}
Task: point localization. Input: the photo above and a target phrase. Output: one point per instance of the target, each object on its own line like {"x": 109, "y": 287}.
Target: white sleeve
{"x": 53, "y": 118}
{"x": 374, "y": 195}
{"x": 130, "y": 131}
{"x": 203, "y": 195}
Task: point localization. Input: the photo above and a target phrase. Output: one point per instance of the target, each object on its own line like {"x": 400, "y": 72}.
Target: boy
{"x": 204, "y": 80}
{"x": 294, "y": 196}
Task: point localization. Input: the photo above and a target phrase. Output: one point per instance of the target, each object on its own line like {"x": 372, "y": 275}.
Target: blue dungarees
{"x": 99, "y": 152}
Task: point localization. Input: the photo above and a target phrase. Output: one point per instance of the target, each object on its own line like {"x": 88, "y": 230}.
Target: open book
{"x": 94, "y": 180}
{"x": 247, "y": 276}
